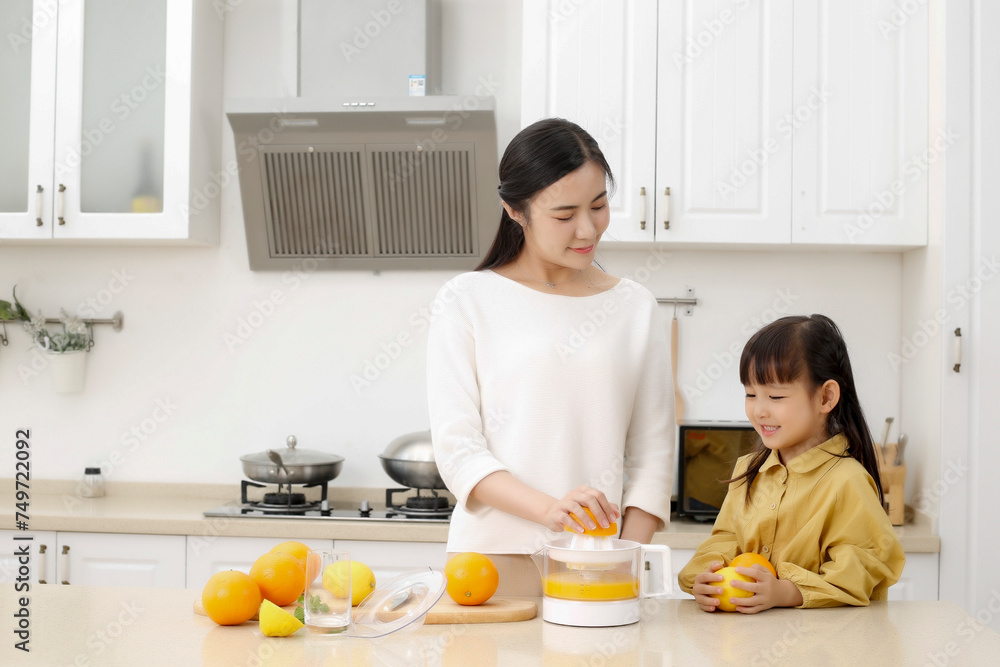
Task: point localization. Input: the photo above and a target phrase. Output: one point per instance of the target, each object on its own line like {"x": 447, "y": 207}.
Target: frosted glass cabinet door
{"x": 121, "y": 141}
{"x": 27, "y": 79}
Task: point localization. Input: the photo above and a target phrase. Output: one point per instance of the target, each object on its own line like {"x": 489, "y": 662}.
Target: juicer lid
{"x": 402, "y": 601}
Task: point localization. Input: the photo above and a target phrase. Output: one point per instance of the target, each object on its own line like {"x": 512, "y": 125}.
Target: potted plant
{"x": 65, "y": 351}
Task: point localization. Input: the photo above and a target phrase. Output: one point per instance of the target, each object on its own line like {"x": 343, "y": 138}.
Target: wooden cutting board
{"x": 494, "y": 610}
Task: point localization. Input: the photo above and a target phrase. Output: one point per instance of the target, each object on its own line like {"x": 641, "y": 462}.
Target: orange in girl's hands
{"x": 728, "y": 590}
{"x": 610, "y": 531}
{"x": 472, "y": 578}
{"x": 750, "y": 559}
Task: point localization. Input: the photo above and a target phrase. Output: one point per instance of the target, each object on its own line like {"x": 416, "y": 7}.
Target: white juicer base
{"x": 590, "y": 614}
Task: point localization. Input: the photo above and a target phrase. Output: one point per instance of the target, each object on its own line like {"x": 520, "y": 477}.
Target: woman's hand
{"x": 557, "y": 515}
{"x": 768, "y": 591}
{"x": 704, "y": 587}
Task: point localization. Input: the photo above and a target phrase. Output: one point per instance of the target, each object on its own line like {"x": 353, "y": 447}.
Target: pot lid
{"x": 411, "y": 447}
{"x": 293, "y": 456}
{"x": 402, "y": 602}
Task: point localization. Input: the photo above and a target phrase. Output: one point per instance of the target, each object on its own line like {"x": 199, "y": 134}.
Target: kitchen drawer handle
{"x": 64, "y": 564}
{"x": 666, "y": 208}
{"x": 642, "y": 208}
{"x": 39, "y": 201}
{"x": 42, "y": 573}
{"x": 61, "y": 207}
{"x": 957, "y": 351}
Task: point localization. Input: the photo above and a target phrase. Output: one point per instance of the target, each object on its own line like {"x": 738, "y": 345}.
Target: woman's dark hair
{"x": 537, "y": 157}
{"x": 812, "y": 349}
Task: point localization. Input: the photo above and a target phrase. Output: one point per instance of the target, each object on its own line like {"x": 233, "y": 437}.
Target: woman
{"x": 548, "y": 379}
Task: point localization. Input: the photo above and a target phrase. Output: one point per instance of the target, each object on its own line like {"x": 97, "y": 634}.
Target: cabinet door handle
{"x": 42, "y": 572}
{"x": 666, "y": 208}
{"x": 642, "y": 208}
{"x": 39, "y": 201}
{"x": 957, "y": 351}
{"x": 61, "y": 207}
{"x": 64, "y": 564}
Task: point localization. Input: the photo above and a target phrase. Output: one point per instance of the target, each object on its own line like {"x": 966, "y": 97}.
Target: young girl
{"x": 809, "y": 497}
{"x": 548, "y": 380}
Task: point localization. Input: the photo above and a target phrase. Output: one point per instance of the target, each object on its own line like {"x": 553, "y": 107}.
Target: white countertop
{"x": 177, "y": 509}
{"x": 87, "y": 625}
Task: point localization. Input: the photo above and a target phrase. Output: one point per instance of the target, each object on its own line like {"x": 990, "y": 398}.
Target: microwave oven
{"x": 706, "y": 454}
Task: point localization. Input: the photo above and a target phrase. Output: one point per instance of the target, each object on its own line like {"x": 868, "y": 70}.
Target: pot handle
{"x": 657, "y": 577}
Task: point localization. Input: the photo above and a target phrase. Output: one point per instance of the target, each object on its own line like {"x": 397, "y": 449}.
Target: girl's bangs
{"x": 771, "y": 359}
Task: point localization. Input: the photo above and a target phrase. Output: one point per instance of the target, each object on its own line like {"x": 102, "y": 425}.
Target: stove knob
{"x": 365, "y": 508}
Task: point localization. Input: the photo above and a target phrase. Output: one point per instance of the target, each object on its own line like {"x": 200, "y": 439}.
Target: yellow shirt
{"x": 817, "y": 519}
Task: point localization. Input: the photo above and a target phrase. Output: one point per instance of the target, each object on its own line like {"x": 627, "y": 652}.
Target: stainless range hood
{"x": 380, "y": 183}
{"x": 356, "y": 174}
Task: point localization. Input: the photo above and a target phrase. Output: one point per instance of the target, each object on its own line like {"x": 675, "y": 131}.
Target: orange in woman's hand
{"x": 610, "y": 531}
{"x": 472, "y": 578}
{"x": 750, "y": 559}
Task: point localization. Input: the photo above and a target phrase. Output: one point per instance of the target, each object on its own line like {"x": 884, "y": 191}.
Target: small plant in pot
{"x": 65, "y": 350}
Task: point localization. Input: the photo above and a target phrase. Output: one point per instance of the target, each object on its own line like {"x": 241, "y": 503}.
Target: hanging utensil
{"x": 885, "y": 438}
{"x": 678, "y": 397}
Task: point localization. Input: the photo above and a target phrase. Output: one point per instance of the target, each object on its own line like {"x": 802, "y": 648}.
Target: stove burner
{"x": 284, "y": 498}
{"x": 419, "y": 506}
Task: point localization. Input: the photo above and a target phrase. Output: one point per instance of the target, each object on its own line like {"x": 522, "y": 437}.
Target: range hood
{"x": 383, "y": 183}
{"x": 355, "y": 173}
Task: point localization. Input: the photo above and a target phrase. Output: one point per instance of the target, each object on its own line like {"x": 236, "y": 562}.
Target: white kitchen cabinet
{"x": 118, "y": 559}
{"x": 591, "y": 63}
{"x": 207, "y": 555}
{"x": 771, "y": 126}
{"x": 41, "y": 559}
{"x": 390, "y": 559}
{"x": 919, "y": 580}
{"x": 115, "y": 135}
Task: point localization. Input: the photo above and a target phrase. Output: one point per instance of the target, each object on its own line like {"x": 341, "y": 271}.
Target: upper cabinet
{"x": 764, "y": 125}
{"x": 113, "y": 116}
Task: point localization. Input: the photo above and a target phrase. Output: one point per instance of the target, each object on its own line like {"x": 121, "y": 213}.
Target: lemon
{"x": 362, "y": 580}
{"x": 728, "y": 590}
{"x": 275, "y": 621}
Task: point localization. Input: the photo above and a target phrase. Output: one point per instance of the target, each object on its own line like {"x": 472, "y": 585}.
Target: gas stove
{"x": 293, "y": 504}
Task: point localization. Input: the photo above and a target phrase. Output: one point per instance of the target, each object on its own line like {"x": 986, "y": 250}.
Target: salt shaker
{"x": 93, "y": 483}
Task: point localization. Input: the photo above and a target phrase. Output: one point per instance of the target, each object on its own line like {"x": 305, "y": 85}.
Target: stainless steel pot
{"x": 409, "y": 460}
{"x": 291, "y": 465}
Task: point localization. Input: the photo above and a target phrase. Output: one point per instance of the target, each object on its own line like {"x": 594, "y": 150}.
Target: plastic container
{"x": 93, "y": 483}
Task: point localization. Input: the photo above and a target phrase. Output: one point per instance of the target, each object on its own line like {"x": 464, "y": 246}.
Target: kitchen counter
{"x": 83, "y": 625}
{"x": 176, "y": 509}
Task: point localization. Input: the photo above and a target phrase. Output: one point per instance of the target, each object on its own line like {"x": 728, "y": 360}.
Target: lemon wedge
{"x": 276, "y": 622}
{"x": 610, "y": 531}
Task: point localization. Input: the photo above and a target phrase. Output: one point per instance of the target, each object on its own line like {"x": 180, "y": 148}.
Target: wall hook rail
{"x": 688, "y": 301}
{"x": 117, "y": 321}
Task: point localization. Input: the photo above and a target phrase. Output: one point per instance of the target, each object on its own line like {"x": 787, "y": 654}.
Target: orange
{"x": 472, "y": 578}
{"x": 750, "y": 559}
{"x": 230, "y": 597}
{"x": 610, "y": 531}
{"x": 297, "y": 549}
{"x": 728, "y": 590}
{"x": 280, "y": 577}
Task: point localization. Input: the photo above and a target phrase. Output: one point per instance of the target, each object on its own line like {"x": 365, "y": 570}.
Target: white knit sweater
{"x": 558, "y": 390}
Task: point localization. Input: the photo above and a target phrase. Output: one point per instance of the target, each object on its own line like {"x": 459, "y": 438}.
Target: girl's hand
{"x": 768, "y": 591}
{"x": 704, "y": 587}
{"x": 557, "y": 516}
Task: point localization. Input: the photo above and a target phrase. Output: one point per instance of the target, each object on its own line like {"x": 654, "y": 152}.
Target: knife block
{"x": 893, "y": 480}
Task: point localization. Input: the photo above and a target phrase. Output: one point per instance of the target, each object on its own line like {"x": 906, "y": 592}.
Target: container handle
{"x": 664, "y": 585}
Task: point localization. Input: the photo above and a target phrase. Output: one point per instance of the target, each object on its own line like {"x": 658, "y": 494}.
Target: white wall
{"x": 293, "y": 372}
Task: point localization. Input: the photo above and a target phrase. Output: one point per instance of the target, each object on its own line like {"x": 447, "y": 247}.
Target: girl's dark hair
{"x": 537, "y": 157}
{"x": 812, "y": 349}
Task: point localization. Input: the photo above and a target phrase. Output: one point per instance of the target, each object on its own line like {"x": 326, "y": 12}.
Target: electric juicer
{"x": 598, "y": 581}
